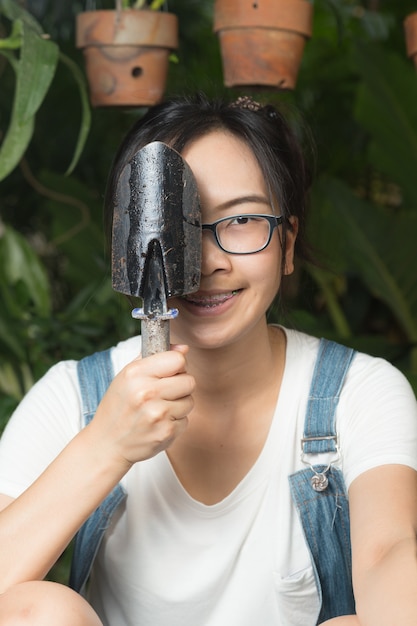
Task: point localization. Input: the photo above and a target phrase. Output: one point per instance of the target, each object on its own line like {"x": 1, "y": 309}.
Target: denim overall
{"x": 318, "y": 492}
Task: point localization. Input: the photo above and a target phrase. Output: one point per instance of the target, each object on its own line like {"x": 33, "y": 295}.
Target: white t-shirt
{"x": 169, "y": 560}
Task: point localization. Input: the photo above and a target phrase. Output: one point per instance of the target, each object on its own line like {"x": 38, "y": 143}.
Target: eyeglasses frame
{"x": 273, "y": 220}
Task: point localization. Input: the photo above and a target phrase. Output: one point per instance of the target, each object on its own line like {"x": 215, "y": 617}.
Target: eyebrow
{"x": 255, "y": 199}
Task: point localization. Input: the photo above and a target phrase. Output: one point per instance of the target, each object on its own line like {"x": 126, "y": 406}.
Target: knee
{"x": 41, "y": 603}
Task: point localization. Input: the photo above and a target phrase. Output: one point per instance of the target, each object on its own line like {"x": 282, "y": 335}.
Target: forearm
{"x": 386, "y": 594}
{"x": 141, "y": 414}
{"x": 37, "y": 526}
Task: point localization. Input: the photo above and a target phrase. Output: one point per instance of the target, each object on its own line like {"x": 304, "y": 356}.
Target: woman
{"x": 203, "y": 438}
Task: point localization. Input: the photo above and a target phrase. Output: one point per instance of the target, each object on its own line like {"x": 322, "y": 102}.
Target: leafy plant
{"x": 34, "y": 58}
{"x": 25, "y": 293}
{"x": 354, "y": 89}
{"x": 373, "y": 231}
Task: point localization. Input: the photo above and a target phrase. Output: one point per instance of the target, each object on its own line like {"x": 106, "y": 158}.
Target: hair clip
{"x": 246, "y": 102}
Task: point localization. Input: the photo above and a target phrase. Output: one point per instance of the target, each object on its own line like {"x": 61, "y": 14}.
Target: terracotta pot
{"x": 410, "y": 27}
{"x": 262, "y": 41}
{"x": 126, "y": 54}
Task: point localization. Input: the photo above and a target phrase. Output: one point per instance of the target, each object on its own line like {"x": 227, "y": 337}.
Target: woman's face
{"x": 235, "y": 290}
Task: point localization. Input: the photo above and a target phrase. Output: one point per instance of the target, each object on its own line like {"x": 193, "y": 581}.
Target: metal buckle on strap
{"x": 319, "y": 481}
{"x": 326, "y": 438}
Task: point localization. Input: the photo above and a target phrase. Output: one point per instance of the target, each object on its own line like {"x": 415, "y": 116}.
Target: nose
{"x": 213, "y": 258}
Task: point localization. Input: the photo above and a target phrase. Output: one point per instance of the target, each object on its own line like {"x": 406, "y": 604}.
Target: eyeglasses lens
{"x": 243, "y": 234}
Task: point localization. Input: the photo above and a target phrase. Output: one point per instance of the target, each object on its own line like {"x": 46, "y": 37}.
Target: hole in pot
{"x": 136, "y": 72}
{"x": 255, "y": 5}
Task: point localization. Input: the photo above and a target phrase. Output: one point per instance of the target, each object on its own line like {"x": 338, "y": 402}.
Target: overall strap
{"x": 332, "y": 364}
{"x": 95, "y": 374}
{"x": 319, "y": 492}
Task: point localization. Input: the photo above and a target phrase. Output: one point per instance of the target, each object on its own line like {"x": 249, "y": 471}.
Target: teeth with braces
{"x": 211, "y": 301}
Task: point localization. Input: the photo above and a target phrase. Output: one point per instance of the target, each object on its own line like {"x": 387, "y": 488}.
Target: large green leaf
{"x": 379, "y": 245}
{"x": 34, "y": 73}
{"x": 387, "y": 107}
{"x": 16, "y": 140}
{"x": 85, "y": 109}
{"x": 20, "y": 265}
{"x": 37, "y": 60}
{"x": 37, "y": 65}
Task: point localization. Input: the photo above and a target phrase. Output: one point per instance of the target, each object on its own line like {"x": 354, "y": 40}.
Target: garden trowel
{"x": 156, "y": 241}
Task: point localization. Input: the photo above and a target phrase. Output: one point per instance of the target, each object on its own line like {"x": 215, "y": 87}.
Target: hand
{"x": 145, "y": 407}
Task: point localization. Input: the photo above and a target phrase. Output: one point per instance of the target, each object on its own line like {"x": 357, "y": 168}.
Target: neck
{"x": 235, "y": 370}
{"x": 235, "y": 400}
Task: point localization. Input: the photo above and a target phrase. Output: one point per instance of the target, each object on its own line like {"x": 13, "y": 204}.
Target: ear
{"x": 290, "y": 237}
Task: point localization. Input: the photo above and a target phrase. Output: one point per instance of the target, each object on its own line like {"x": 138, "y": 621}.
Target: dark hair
{"x": 263, "y": 128}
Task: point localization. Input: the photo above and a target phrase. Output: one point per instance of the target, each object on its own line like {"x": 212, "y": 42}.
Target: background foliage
{"x": 358, "y": 93}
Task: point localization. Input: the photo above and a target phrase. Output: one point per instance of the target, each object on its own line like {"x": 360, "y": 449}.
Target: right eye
{"x": 239, "y": 220}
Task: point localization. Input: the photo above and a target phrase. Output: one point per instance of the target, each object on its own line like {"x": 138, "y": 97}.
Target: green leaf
{"x": 10, "y": 57}
{"x": 325, "y": 280}
{"x": 15, "y": 381}
{"x": 14, "y": 40}
{"x": 16, "y": 140}
{"x": 380, "y": 245}
{"x": 20, "y": 264}
{"x": 85, "y": 110}
{"x": 155, "y": 5}
{"x": 34, "y": 73}
{"x": 37, "y": 65}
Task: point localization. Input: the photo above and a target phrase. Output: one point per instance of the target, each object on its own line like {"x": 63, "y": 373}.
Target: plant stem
{"x": 338, "y": 318}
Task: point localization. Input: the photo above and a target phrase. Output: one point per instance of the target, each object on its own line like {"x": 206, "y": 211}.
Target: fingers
{"x": 146, "y": 407}
{"x": 160, "y": 375}
{"x": 164, "y": 364}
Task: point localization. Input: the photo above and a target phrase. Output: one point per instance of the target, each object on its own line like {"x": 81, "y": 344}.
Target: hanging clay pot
{"x": 410, "y": 27}
{"x": 126, "y": 54}
{"x": 262, "y": 41}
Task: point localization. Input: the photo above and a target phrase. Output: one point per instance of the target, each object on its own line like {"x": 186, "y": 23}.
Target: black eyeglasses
{"x": 244, "y": 234}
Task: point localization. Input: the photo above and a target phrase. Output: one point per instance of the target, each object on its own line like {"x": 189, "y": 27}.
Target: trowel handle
{"x": 155, "y": 331}
{"x": 155, "y": 336}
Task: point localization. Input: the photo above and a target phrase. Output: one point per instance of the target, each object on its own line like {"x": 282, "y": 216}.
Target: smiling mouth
{"x": 210, "y": 301}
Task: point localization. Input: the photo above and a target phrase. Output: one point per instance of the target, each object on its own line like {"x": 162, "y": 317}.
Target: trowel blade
{"x": 156, "y": 201}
